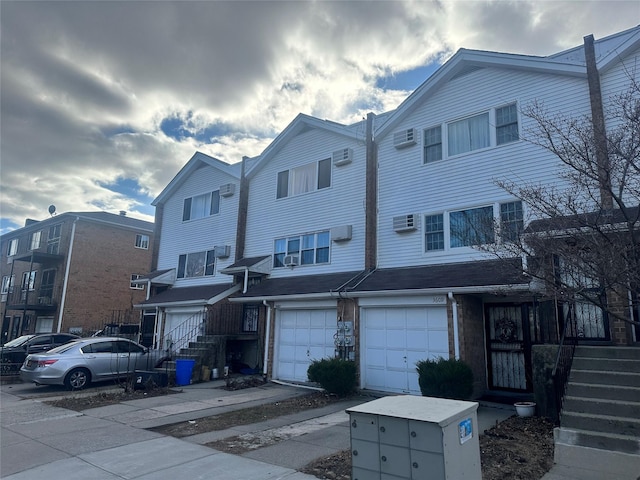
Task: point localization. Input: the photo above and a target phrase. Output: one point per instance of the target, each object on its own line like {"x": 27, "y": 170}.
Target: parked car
{"x": 13, "y": 353}
{"x": 123, "y": 330}
{"x": 87, "y": 360}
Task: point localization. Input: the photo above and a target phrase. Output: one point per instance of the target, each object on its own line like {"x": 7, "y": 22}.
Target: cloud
{"x": 98, "y": 93}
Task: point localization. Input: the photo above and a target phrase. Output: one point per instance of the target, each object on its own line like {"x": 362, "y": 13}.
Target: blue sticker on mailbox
{"x": 465, "y": 429}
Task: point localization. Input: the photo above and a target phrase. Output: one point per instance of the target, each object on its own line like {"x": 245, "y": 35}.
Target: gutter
{"x": 266, "y": 339}
{"x": 65, "y": 284}
{"x": 456, "y": 336}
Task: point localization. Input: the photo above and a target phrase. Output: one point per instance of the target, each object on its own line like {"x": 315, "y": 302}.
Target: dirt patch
{"x": 248, "y": 415}
{"x": 82, "y": 401}
{"x": 516, "y": 449}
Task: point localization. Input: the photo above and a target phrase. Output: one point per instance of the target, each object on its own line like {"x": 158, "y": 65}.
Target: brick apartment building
{"x": 73, "y": 272}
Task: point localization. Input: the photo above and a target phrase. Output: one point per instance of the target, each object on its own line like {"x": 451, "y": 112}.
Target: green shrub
{"x": 445, "y": 378}
{"x": 334, "y": 375}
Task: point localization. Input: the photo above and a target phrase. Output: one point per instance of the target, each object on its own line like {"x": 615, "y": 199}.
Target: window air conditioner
{"x": 406, "y": 223}
{"x": 227, "y": 189}
{"x": 222, "y": 251}
{"x": 291, "y": 260}
{"x": 342, "y": 157}
{"x": 405, "y": 138}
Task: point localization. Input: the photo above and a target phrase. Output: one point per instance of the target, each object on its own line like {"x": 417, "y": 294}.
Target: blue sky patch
{"x": 408, "y": 80}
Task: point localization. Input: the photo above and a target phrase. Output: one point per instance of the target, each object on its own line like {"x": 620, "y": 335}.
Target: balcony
{"x": 44, "y": 299}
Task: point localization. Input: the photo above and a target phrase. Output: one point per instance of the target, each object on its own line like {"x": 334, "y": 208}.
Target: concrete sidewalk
{"x": 41, "y": 441}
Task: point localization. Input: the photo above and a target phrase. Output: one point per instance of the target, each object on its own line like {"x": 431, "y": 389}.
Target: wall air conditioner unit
{"x": 291, "y": 260}
{"x": 222, "y": 251}
{"x": 406, "y": 223}
{"x": 405, "y": 138}
{"x": 342, "y": 157}
{"x": 227, "y": 189}
{"x": 341, "y": 234}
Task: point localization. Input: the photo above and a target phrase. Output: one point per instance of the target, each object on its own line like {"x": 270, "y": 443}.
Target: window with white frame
{"x": 507, "y": 124}
{"x": 134, "y": 285}
{"x": 306, "y": 178}
{"x": 433, "y": 144}
{"x": 7, "y": 284}
{"x": 34, "y": 240}
{"x": 473, "y": 226}
{"x": 469, "y": 134}
{"x": 53, "y": 240}
{"x": 142, "y": 241}
{"x": 311, "y": 248}
{"x": 29, "y": 281}
{"x": 201, "y": 206}
{"x": 196, "y": 264}
{"x": 12, "y": 248}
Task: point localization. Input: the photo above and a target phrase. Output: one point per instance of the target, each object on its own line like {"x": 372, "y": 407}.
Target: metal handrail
{"x": 564, "y": 360}
{"x": 180, "y": 336}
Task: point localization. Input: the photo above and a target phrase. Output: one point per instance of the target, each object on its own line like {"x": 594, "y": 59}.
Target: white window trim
{"x": 136, "y": 286}
{"x": 144, "y": 245}
{"x": 290, "y": 179}
{"x": 300, "y": 250}
{"x": 12, "y": 247}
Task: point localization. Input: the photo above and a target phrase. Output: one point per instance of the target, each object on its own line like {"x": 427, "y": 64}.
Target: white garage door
{"x": 394, "y": 339}
{"x": 302, "y": 336}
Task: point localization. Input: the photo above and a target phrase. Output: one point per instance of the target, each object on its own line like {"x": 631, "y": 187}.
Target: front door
{"x": 509, "y": 346}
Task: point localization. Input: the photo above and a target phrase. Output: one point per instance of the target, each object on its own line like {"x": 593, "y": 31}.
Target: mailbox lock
{"x": 415, "y": 464}
{"x": 384, "y": 459}
{"x": 413, "y": 434}
{"x": 355, "y": 453}
{"x": 354, "y": 424}
{"x": 382, "y": 429}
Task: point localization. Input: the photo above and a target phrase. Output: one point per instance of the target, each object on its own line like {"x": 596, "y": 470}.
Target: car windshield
{"x": 16, "y": 342}
{"x": 62, "y": 348}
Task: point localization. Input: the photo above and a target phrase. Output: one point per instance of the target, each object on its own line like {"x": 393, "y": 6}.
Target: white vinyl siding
{"x": 408, "y": 184}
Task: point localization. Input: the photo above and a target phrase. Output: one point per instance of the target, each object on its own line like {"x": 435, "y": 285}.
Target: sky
{"x": 102, "y": 102}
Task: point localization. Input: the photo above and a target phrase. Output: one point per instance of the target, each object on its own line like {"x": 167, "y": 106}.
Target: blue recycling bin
{"x": 184, "y": 370}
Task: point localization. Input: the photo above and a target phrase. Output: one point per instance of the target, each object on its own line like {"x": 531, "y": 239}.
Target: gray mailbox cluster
{"x": 409, "y": 437}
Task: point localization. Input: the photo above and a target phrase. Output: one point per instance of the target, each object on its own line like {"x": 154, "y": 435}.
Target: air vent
{"x": 291, "y": 260}
{"x": 406, "y": 223}
{"x": 222, "y": 251}
{"x": 227, "y": 189}
{"x": 405, "y": 138}
{"x": 342, "y": 157}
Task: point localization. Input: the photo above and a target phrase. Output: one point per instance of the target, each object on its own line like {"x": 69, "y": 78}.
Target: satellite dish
{"x": 52, "y": 210}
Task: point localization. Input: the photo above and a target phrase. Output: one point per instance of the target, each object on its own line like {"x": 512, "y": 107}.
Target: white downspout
{"x": 266, "y": 339}
{"x": 456, "y": 338}
{"x": 66, "y": 275}
{"x": 246, "y": 280}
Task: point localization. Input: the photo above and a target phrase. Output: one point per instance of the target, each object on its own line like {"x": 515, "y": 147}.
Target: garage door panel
{"x": 395, "y": 338}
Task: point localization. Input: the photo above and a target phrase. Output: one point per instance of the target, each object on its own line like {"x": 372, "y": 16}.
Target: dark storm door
{"x": 508, "y": 346}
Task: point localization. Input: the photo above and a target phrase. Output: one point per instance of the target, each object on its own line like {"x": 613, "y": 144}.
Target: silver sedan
{"x": 78, "y": 363}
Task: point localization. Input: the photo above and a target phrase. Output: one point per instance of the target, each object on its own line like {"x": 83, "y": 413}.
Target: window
{"x": 434, "y": 232}
{"x": 12, "y": 249}
{"x": 433, "y": 144}
{"x": 46, "y": 286}
{"x": 511, "y": 221}
{"x": 34, "y": 240}
{"x": 142, "y": 241}
{"x": 506, "y": 124}
{"x": 7, "y": 284}
{"x": 471, "y": 227}
{"x": 28, "y": 280}
{"x": 311, "y": 248}
{"x": 469, "y": 134}
{"x": 250, "y": 318}
{"x": 303, "y": 179}
{"x": 201, "y": 206}
{"x": 53, "y": 242}
{"x": 198, "y": 264}
{"x": 136, "y": 286}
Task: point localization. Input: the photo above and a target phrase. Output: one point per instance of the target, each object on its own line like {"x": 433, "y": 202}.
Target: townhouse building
{"x": 73, "y": 272}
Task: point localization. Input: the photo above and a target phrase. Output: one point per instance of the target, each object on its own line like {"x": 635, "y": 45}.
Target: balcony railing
{"x": 40, "y": 298}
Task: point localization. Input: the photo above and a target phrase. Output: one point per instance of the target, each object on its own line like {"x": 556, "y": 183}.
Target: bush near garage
{"x": 335, "y": 375}
{"x": 445, "y": 378}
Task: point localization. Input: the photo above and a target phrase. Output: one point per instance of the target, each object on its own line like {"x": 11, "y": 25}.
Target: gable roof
{"x": 300, "y": 124}
{"x": 569, "y": 63}
{"x": 190, "y": 296}
{"x": 196, "y": 161}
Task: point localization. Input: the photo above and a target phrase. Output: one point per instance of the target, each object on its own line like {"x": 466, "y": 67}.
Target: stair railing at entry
{"x": 180, "y": 336}
{"x": 564, "y": 358}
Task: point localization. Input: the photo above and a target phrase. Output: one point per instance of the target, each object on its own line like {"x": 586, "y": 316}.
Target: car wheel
{"x": 77, "y": 379}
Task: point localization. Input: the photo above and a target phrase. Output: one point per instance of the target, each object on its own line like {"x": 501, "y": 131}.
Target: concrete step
{"x": 613, "y": 408}
{"x": 607, "y": 352}
{"x": 604, "y": 441}
{"x": 606, "y": 364}
{"x": 203, "y": 344}
{"x": 601, "y": 377}
{"x": 604, "y": 392}
{"x": 192, "y": 352}
{"x": 600, "y": 423}
{"x": 623, "y": 466}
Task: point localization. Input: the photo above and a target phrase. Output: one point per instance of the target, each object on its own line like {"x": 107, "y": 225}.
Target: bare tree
{"x": 584, "y": 244}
